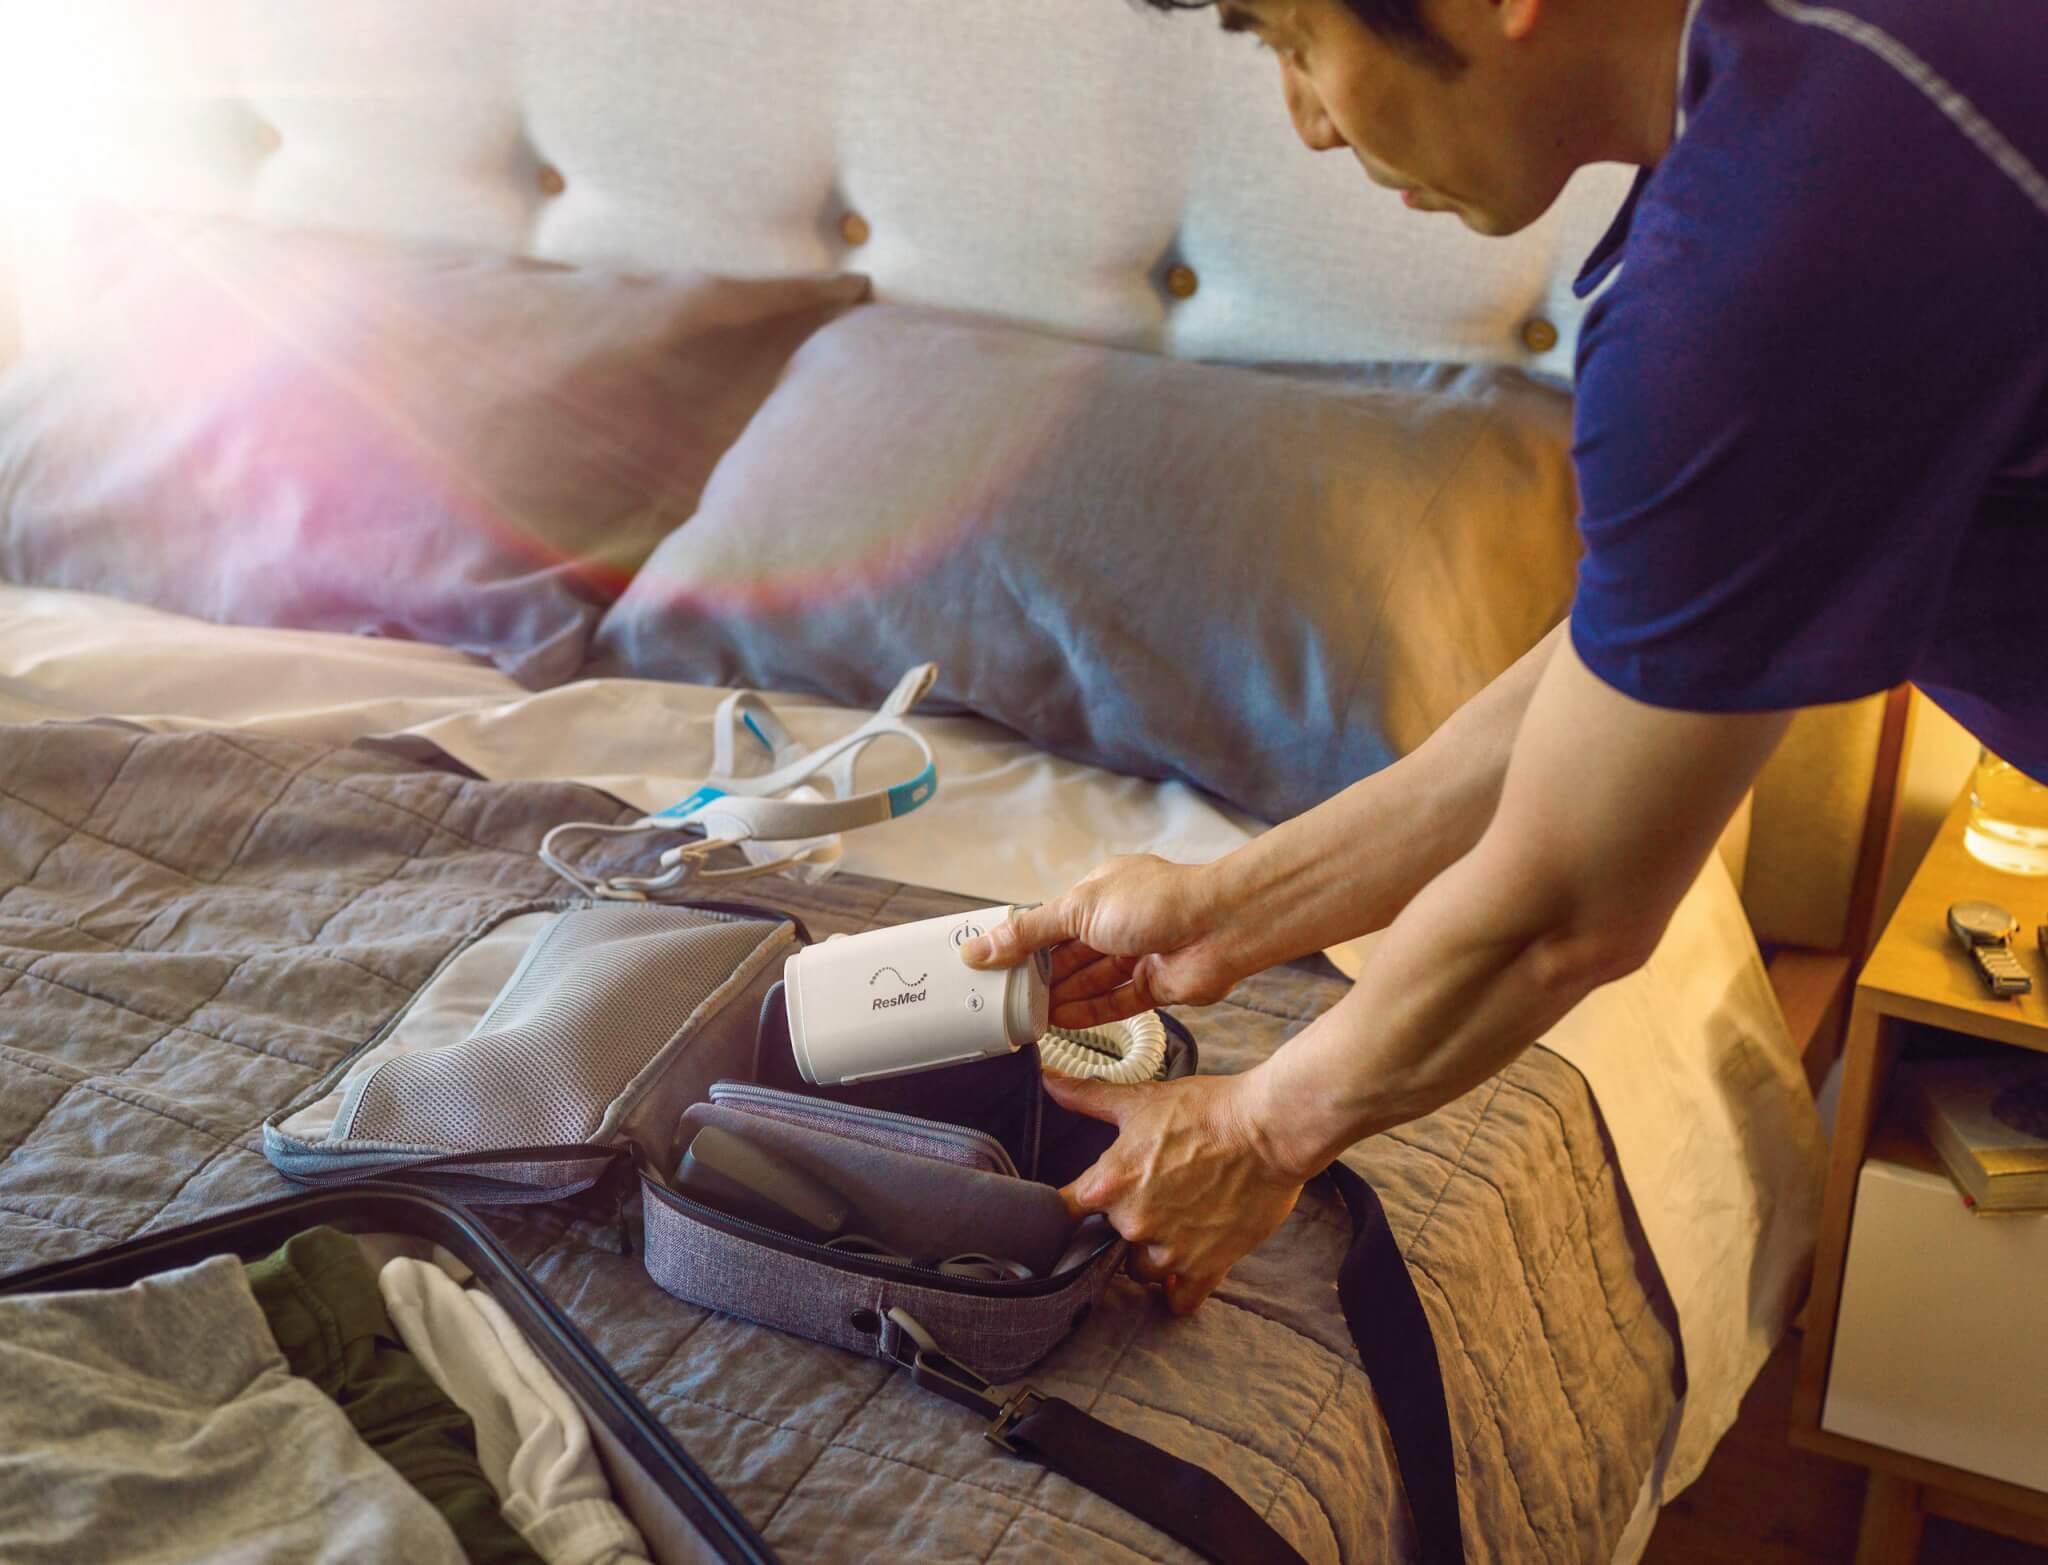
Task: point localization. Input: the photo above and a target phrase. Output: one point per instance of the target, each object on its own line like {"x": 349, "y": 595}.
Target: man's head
{"x": 1482, "y": 108}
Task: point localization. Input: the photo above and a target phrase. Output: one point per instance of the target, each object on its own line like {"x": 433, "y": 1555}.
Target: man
{"x": 1812, "y": 446}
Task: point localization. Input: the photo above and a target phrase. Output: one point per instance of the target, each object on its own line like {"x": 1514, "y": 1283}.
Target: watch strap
{"x": 2000, "y": 970}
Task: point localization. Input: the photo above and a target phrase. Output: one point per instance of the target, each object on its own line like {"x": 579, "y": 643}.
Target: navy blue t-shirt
{"x": 1812, "y": 427}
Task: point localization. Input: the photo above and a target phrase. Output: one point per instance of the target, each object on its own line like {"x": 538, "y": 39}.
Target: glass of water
{"x": 2008, "y": 827}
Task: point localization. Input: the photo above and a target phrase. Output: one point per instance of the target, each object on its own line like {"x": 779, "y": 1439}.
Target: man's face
{"x": 1475, "y": 138}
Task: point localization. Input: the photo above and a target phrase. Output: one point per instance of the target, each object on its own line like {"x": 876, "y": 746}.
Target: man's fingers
{"x": 1099, "y": 1010}
{"x": 1096, "y": 1189}
{"x": 1080, "y": 973}
{"x": 1184, "y": 1294}
{"x": 1103, "y": 1100}
{"x": 1149, "y": 1263}
{"x": 1070, "y": 1198}
{"x": 1085, "y": 1005}
{"x": 1026, "y": 930}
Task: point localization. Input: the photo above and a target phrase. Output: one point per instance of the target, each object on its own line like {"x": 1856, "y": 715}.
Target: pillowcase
{"x": 268, "y": 428}
{"x": 1265, "y": 585}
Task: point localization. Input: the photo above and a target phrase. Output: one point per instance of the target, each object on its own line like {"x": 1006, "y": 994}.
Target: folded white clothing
{"x": 530, "y": 1435}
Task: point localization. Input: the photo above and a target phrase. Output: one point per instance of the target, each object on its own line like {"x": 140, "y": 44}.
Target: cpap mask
{"x": 893, "y": 1001}
{"x": 782, "y": 820}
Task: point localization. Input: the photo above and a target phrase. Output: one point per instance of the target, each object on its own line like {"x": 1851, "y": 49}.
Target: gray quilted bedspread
{"x": 195, "y": 927}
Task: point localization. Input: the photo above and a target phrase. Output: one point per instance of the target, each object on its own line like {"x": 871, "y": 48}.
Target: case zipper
{"x": 863, "y": 1266}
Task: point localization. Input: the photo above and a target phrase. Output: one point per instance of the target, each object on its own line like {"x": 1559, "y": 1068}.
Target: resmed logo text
{"x": 907, "y": 997}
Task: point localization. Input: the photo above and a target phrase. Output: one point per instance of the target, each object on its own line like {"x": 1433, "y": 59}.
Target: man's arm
{"x": 1304, "y": 885}
{"x": 1608, "y": 810}
{"x": 1140, "y": 932}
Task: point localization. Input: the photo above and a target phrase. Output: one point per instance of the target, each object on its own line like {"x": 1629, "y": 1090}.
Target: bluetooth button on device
{"x": 974, "y": 1001}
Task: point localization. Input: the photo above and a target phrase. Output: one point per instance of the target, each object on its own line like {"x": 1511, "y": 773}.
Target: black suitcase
{"x": 679, "y": 1511}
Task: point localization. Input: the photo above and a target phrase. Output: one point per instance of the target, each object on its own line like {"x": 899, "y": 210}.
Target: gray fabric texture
{"x": 196, "y": 928}
{"x": 877, "y": 1127}
{"x": 617, "y": 1017}
{"x": 159, "y": 1423}
{"x": 916, "y": 1205}
{"x": 1046, "y": 520}
{"x": 603, "y": 992}
{"x": 1001, "y": 1338}
{"x": 269, "y": 428}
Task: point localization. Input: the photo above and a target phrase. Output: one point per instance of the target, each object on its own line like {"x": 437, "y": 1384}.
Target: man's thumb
{"x": 1104, "y": 1100}
{"x": 1026, "y": 930}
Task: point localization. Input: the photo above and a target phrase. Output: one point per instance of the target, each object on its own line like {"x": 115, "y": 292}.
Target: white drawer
{"x": 1941, "y": 1346}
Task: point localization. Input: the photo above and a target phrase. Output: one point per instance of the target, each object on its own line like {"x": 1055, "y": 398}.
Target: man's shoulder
{"x": 1892, "y": 92}
{"x": 1829, "y": 176}
{"x": 1826, "y": 333}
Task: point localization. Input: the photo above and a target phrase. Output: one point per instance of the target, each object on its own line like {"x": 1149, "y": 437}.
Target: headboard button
{"x": 1538, "y": 335}
{"x": 853, "y": 228}
{"x": 1182, "y": 282}
{"x": 550, "y": 180}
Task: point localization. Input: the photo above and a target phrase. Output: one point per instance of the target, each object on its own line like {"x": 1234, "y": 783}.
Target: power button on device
{"x": 974, "y": 1001}
{"x": 966, "y": 932}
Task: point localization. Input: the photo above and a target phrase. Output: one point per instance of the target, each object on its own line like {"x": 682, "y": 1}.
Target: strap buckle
{"x": 937, "y": 1370}
{"x": 1026, "y": 1401}
{"x": 932, "y": 1367}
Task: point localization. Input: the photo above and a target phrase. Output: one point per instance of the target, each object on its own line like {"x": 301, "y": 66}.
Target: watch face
{"x": 1982, "y": 921}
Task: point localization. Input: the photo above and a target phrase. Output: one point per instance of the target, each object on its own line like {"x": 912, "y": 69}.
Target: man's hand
{"x": 1134, "y": 934}
{"x": 1189, "y": 1181}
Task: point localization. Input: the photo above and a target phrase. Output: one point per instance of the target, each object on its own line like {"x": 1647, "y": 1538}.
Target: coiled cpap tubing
{"x": 1125, "y": 1052}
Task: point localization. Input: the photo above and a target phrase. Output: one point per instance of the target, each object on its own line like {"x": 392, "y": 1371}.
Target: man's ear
{"x": 1517, "y": 17}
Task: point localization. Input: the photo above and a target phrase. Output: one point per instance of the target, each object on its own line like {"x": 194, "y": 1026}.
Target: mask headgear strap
{"x": 778, "y": 819}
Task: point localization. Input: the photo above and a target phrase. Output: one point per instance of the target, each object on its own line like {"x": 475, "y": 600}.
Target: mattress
{"x": 1699, "y": 1109}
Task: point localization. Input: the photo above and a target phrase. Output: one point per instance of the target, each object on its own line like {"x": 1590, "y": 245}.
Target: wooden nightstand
{"x": 1916, "y": 975}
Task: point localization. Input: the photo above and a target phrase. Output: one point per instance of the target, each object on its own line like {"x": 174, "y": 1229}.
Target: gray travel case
{"x": 567, "y": 1041}
{"x": 616, "y": 1030}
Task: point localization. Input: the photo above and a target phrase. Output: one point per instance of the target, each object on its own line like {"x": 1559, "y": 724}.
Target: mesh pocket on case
{"x": 591, "y": 1005}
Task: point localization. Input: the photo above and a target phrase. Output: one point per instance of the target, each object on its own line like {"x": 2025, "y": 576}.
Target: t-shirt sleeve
{"x": 1791, "y": 400}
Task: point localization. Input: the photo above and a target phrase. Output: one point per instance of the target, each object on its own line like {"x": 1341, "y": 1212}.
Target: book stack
{"x": 1987, "y": 1118}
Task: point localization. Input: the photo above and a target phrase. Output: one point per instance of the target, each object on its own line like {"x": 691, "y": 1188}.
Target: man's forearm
{"x": 1476, "y": 969}
{"x": 1607, "y": 813}
{"x": 1310, "y": 883}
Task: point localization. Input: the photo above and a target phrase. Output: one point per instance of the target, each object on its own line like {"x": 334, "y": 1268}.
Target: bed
{"x": 205, "y": 827}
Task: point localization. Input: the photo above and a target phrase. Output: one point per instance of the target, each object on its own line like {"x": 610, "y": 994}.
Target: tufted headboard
{"x": 1085, "y": 166}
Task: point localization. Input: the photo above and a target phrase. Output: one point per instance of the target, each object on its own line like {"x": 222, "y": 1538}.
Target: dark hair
{"x": 1399, "y": 22}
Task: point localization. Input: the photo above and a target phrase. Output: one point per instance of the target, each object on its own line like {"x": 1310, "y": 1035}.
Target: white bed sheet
{"x": 1688, "y": 1059}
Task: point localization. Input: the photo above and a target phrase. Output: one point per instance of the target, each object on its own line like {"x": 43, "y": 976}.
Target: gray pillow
{"x": 270, "y": 428}
{"x": 1268, "y": 586}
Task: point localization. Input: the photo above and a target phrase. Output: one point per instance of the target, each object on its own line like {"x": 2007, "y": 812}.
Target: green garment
{"x": 321, "y": 1300}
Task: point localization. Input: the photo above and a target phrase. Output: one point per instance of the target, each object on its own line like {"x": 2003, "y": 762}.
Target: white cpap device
{"x": 892, "y": 1001}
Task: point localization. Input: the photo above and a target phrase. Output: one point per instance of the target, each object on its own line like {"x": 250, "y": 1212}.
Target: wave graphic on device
{"x": 950, "y": 1014}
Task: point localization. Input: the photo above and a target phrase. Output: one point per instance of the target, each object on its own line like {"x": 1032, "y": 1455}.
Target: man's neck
{"x": 1638, "y": 74}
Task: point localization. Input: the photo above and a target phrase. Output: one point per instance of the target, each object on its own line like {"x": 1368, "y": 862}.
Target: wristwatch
{"x": 1984, "y": 930}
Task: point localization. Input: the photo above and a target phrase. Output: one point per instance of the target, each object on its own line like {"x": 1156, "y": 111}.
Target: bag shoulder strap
{"x": 1186, "y": 1502}
{"x": 1391, "y": 1331}
{"x": 1191, "y": 1504}
{"x": 1182, "y": 1500}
